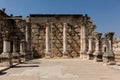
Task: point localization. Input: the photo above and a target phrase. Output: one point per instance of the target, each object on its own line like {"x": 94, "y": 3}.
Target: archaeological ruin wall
{"x": 60, "y": 35}
{"x": 54, "y": 36}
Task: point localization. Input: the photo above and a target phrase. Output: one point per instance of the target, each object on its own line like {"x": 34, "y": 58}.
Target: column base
{"x": 6, "y": 60}
{"x": 98, "y": 58}
{"x": 28, "y": 56}
{"x": 83, "y": 55}
{"x": 48, "y": 56}
{"x": 65, "y": 56}
{"x": 22, "y": 56}
{"x": 90, "y": 57}
{"x": 109, "y": 60}
{"x": 16, "y": 57}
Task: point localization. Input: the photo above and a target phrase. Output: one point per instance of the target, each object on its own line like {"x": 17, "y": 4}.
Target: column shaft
{"x": 14, "y": 47}
{"x": 6, "y": 46}
{"x": 47, "y": 40}
{"x": 90, "y": 44}
{"x": 83, "y": 42}
{"x": 97, "y": 48}
{"x": 64, "y": 39}
{"x": 90, "y": 50}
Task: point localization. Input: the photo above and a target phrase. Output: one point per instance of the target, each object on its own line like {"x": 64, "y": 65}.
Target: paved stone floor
{"x": 61, "y": 69}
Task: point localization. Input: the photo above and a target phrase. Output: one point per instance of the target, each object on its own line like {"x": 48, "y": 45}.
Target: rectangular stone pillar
{"x": 28, "y": 39}
{"x": 6, "y": 56}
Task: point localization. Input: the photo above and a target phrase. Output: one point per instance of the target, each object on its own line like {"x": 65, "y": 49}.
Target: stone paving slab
{"x": 61, "y": 69}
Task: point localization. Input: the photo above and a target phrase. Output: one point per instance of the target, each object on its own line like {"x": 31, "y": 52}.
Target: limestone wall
{"x": 76, "y": 26}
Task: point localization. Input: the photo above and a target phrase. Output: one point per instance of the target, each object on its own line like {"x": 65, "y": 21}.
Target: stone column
{"x": 6, "y": 55}
{"x": 83, "y": 42}
{"x": 90, "y": 51}
{"x": 22, "y": 50}
{"x": 28, "y": 39}
{"x": 15, "y": 53}
{"x": 97, "y": 54}
{"x": 64, "y": 40}
{"x": 6, "y": 46}
{"x": 22, "y": 47}
{"x": 47, "y": 55}
{"x": 109, "y": 56}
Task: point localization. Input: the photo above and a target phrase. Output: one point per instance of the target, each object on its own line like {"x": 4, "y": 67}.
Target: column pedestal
{"x": 22, "y": 51}
{"x": 15, "y": 54}
{"x": 6, "y": 56}
{"x": 109, "y": 56}
{"x": 98, "y": 58}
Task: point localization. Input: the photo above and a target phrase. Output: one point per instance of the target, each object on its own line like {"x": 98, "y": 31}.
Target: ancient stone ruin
{"x": 53, "y": 36}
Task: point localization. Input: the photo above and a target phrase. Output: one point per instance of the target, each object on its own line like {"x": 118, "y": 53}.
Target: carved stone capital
{"x": 90, "y": 37}
{"x": 109, "y": 35}
{"x": 97, "y": 35}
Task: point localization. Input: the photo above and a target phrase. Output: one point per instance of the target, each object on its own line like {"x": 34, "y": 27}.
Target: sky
{"x": 105, "y": 14}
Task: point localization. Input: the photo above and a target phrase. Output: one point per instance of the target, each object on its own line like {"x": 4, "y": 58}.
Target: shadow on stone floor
{"x": 19, "y": 66}
{"x": 30, "y": 62}
{"x": 3, "y": 73}
{"x": 118, "y": 64}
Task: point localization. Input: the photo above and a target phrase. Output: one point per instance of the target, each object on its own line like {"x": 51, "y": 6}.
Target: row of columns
{"x": 83, "y": 41}
{"x": 64, "y": 40}
{"x": 97, "y": 55}
{"x": 9, "y": 57}
{"x": 107, "y": 56}
{"x": 21, "y": 49}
